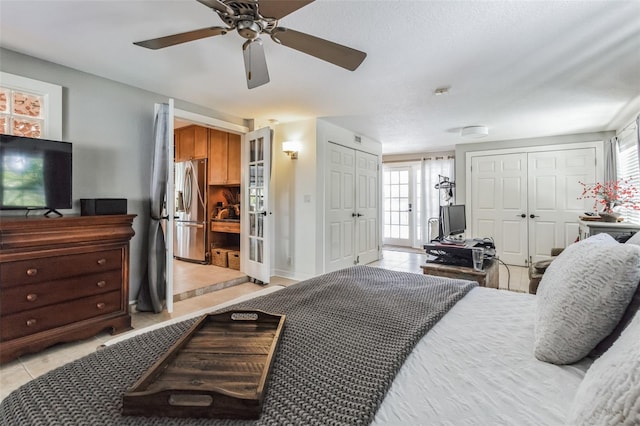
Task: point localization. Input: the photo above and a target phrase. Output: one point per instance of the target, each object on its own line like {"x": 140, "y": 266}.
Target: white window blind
{"x": 628, "y": 166}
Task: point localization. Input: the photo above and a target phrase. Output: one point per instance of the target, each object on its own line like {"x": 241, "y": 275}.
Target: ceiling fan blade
{"x": 255, "y": 64}
{"x": 218, "y": 6}
{"x": 278, "y": 9}
{"x": 326, "y": 50}
{"x": 159, "y": 43}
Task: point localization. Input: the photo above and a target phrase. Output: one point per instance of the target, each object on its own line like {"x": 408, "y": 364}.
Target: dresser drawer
{"x": 53, "y": 268}
{"x": 32, "y": 296}
{"x": 35, "y": 320}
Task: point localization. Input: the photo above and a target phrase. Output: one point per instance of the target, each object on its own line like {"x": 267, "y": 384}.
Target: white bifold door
{"x": 528, "y": 202}
{"x": 352, "y": 207}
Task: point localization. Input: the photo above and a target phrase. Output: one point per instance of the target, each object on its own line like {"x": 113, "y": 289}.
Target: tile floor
{"x": 25, "y": 368}
{"x": 193, "y": 279}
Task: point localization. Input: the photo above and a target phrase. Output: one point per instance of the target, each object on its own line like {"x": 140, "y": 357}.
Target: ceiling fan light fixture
{"x": 474, "y": 132}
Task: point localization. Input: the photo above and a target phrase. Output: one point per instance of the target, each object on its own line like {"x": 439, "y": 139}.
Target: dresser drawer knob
{"x": 102, "y": 261}
{"x": 31, "y": 322}
{"x": 32, "y": 272}
{"x": 32, "y": 297}
{"x": 101, "y": 305}
{"x": 101, "y": 284}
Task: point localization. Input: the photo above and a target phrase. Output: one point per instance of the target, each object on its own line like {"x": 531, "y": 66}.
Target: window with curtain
{"x": 628, "y": 165}
{"x": 435, "y": 168}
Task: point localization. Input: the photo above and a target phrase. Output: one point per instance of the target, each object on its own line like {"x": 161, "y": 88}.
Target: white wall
{"x": 299, "y": 194}
{"x": 111, "y": 127}
{"x": 295, "y": 201}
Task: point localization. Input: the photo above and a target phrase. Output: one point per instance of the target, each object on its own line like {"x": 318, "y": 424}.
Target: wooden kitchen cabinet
{"x": 62, "y": 279}
{"x": 233, "y": 160}
{"x": 191, "y": 142}
{"x": 224, "y": 158}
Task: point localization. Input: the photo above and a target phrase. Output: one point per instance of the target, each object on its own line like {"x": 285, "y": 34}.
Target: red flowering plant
{"x": 611, "y": 194}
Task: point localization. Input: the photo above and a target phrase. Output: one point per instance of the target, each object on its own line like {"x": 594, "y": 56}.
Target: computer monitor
{"x": 452, "y": 220}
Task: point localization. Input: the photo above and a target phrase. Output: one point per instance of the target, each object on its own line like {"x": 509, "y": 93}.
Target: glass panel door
{"x": 398, "y": 206}
{"x": 257, "y": 215}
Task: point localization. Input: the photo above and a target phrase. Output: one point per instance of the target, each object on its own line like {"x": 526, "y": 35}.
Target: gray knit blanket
{"x": 346, "y": 335}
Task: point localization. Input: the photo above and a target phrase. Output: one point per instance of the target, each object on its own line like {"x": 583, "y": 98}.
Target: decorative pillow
{"x": 610, "y": 391}
{"x": 582, "y": 297}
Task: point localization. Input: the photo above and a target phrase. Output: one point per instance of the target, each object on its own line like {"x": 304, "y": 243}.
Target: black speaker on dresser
{"x": 102, "y": 206}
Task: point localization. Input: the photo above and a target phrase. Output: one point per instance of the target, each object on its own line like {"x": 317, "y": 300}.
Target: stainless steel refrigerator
{"x": 190, "y": 236}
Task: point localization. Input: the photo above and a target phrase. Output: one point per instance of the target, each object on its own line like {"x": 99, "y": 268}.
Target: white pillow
{"x": 582, "y": 297}
{"x": 610, "y": 391}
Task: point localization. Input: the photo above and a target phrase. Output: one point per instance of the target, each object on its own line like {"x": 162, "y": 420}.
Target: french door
{"x": 256, "y": 211}
{"x": 399, "y": 202}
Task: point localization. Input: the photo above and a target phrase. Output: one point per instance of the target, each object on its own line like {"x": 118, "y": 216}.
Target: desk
{"x": 489, "y": 277}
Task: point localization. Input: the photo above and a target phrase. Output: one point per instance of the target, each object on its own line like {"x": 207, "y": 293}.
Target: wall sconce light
{"x": 291, "y": 148}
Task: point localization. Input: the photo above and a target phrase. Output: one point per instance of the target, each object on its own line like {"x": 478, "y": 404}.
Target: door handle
{"x": 360, "y": 215}
{"x": 263, "y": 213}
{"x": 533, "y": 215}
{"x": 522, "y": 215}
{"x": 353, "y": 214}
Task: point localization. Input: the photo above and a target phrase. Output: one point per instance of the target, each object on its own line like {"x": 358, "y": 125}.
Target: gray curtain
{"x": 610, "y": 153}
{"x": 153, "y": 289}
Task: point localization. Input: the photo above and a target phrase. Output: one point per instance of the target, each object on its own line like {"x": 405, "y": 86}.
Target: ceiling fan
{"x": 252, "y": 18}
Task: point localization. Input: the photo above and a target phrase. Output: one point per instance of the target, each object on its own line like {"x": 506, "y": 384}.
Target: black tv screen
{"x": 452, "y": 220}
{"x": 34, "y": 173}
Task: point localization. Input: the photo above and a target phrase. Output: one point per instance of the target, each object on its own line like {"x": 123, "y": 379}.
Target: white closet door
{"x": 553, "y": 189}
{"x": 367, "y": 211}
{"x": 499, "y": 202}
{"x": 340, "y": 200}
{"x": 528, "y": 202}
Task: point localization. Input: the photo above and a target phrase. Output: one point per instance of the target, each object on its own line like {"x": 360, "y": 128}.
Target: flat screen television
{"x": 452, "y": 220}
{"x": 34, "y": 174}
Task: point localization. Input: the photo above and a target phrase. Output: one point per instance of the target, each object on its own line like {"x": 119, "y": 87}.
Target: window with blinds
{"x": 628, "y": 165}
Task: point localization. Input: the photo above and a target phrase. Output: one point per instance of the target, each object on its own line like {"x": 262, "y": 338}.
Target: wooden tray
{"x": 218, "y": 369}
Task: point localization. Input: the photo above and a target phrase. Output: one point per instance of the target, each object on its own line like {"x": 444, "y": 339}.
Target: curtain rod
{"x": 448, "y": 157}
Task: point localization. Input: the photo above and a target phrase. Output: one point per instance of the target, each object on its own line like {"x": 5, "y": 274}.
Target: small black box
{"x": 102, "y": 206}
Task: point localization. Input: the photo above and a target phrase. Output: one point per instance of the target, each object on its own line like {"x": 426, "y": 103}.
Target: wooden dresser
{"x": 62, "y": 279}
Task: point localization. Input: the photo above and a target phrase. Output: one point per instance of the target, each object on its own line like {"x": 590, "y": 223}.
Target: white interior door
{"x": 528, "y": 202}
{"x": 257, "y": 215}
{"x": 399, "y": 202}
{"x": 367, "y": 211}
{"x": 553, "y": 189}
{"x": 340, "y": 210}
{"x": 499, "y": 204}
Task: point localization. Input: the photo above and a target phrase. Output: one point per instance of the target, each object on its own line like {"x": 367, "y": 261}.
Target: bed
{"x": 371, "y": 346}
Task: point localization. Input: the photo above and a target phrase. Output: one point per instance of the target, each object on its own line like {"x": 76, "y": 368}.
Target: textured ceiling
{"x": 521, "y": 68}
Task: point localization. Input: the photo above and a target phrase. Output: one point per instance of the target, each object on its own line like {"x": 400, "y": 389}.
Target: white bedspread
{"x": 476, "y": 367}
